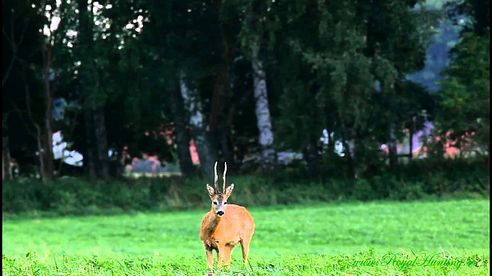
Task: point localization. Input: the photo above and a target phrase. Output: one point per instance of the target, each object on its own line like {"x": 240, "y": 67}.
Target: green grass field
{"x": 416, "y": 238}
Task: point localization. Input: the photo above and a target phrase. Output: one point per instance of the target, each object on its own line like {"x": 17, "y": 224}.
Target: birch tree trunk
{"x": 198, "y": 130}
{"x": 268, "y": 154}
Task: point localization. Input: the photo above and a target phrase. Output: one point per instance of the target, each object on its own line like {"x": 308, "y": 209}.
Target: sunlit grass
{"x": 317, "y": 239}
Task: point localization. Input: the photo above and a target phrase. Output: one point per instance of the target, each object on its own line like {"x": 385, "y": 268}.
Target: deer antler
{"x": 216, "y": 178}
{"x": 224, "y": 177}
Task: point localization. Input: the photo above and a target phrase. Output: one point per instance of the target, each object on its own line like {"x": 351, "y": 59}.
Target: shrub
{"x": 70, "y": 195}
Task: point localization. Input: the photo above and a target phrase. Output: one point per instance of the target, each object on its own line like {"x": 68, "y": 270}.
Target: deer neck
{"x": 213, "y": 222}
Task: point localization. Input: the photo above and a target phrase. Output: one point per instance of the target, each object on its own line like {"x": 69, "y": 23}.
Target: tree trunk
{"x": 101, "y": 140}
{"x": 47, "y": 132}
{"x": 97, "y": 160}
{"x": 43, "y": 142}
{"x": 410, "y": 145}
{"x": 350, "y": 152}
{"x": 90, "y": 155}
{"x": 219, "y": 98}
{"x": 198, "y": 130}
{"x": 312, "y": 158}
{"x": 221, "y": 110}
{"x": 331, "y": 143}
{"x": 182, "y": 135}
{"x": 6, "y": 171}
{"x": 393, "y": 154}
{"x": 225, "y": 145}
{"x": 268, "y": 154}
{"x": 46, "y": 153}
{"x": 83, "y": 50}
{"x": 411, "y": 132}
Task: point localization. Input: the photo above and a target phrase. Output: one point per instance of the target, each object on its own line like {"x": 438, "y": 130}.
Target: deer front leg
{"x": 227, "y": 255}
{"x": 220, "y": 255}
{"x": 210, "y": 258}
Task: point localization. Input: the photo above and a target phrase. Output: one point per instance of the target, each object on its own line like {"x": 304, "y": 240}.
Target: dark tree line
{"x": 236, "y": 77}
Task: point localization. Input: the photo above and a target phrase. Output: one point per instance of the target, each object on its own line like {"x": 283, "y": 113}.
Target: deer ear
{"x": 210, "y": 190}
{"x": 229, "y": 189}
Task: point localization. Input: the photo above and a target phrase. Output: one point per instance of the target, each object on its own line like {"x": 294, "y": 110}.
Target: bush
{"x": 419, "y": 179}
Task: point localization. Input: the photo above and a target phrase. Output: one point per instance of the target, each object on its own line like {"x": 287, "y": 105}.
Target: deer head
{"x": 219, "y": 199}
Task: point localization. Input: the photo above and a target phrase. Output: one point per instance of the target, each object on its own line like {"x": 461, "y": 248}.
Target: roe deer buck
{"x": 225, "y": 225}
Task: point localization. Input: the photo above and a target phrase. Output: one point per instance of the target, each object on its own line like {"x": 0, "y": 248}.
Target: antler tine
{"x": 224, "y": 177}
{"x": 216, "y": 178}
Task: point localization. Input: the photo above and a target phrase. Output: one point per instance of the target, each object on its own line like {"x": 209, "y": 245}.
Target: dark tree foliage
{"x": 463, "y": 109}
{"x": 341, "y": 66}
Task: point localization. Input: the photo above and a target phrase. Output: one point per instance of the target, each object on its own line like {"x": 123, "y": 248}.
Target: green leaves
{"x": 464, "y": 100}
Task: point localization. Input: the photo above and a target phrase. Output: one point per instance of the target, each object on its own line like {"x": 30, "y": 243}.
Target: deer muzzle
{"x": 220, "y": 209}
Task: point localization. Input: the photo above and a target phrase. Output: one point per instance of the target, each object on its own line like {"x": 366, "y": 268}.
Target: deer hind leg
{"x": 245, "y": 249}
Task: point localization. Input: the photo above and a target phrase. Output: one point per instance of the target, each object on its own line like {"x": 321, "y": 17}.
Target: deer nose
{"x": 220, "y": 213}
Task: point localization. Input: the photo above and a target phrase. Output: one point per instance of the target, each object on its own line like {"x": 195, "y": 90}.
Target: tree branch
{"x": 21, "y": 114}
{"x": 14, "y": 55}
{"x": 9, "y": 69}
{"x": 13, "y": 45}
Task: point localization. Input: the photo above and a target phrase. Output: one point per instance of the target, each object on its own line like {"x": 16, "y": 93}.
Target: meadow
{"x": 440, "y": 237}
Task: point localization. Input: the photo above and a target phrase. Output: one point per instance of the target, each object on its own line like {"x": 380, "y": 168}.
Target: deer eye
{"x": 225, "y": 202}
{"x": 215, "y": 202}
